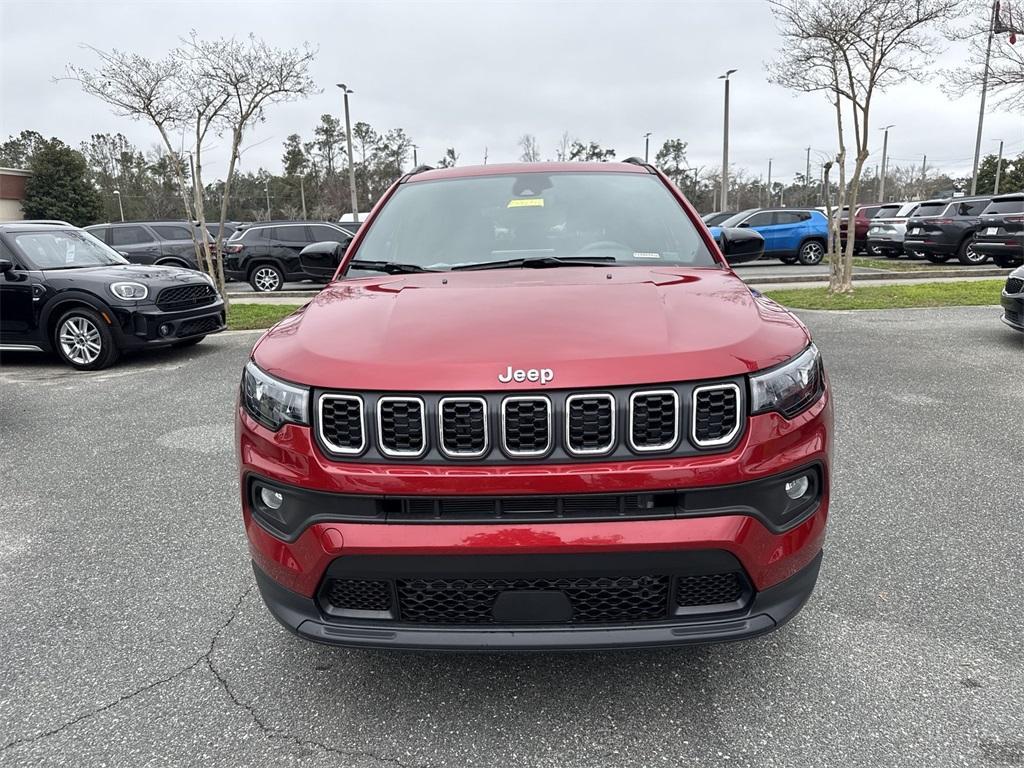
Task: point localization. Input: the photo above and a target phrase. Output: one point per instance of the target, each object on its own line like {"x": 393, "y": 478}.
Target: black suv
{"x": 939, "y": 235}
{"x": 1001, "y": 234}
{"x": 62, "y": 290}
{"x": 167, "y": 243}
{"x": 267, "y": 254}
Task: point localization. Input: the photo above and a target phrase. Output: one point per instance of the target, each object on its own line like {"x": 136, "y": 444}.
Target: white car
{"x": 888, "y": 228}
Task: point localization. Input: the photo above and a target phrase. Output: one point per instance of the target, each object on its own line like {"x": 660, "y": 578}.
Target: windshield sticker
{"x": 526, "y": 202}
{"x": 646, "y": 255}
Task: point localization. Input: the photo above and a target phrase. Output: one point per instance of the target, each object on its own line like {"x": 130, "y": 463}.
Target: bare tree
{"x": 530, "y": 151}
{"x": 851, "y": 50}
{"x": 252, "y": 74}
{"x": 564, "y": 147}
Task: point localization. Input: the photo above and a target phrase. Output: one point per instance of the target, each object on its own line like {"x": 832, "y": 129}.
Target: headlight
{"x": 129, "y": 291}
{"x": 272, "y": 402}
{"x": 790, "y": 388}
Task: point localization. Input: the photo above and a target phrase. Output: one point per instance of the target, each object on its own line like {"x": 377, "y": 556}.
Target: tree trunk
{"x": 199, "y": 233}
{"x": 835, "y": 279}
{"x": 236, "y": 140}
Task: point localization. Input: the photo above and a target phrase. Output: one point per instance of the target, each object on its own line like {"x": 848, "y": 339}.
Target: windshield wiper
{"x": 541, "y": 262}
{"x": 391, "y": 267}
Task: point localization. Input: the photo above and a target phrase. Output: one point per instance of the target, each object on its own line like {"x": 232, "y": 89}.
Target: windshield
{"x": 622, "y": 218}
{"x": 64, "y": 249}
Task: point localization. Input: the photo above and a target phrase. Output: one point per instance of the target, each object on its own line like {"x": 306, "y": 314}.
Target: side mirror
{"x": 125, "y": 254}
{"x": 744, "y": 224}
{"x": 6, "y": 265}
{"x": 322, "y": 259}
{"x": 740, "y": 245}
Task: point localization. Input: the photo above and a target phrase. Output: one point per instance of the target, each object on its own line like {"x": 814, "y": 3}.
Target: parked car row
{"x": 971, "y": 229}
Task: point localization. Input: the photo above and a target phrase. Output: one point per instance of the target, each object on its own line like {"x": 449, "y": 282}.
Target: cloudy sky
{"x": 478, "y": 75}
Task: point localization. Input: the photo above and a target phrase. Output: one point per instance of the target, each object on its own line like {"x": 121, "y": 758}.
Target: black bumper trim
{"x": 770, "y": 609}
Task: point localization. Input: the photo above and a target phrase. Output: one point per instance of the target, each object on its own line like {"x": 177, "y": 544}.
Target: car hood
{"x": 592, "y": 327}
{"x": 153, "y": 276}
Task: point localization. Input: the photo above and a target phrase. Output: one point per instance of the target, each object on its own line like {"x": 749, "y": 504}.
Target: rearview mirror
{"x": 739, "y": 245}
{"x": 322, "y": 259}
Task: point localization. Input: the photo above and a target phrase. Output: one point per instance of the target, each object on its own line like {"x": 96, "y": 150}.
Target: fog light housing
{"x": 796, "y": 488}
{"x": 271, "y": 499}
{"x": 166, "y": 329}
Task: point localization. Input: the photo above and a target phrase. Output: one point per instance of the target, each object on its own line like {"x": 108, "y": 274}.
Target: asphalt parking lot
{"x": 132, "y": 634}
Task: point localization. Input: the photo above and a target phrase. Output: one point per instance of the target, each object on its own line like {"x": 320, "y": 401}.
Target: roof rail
{"x": 414, "y": 171}
{"x": 51, "y": 222}
{"x": 642, "y": 163}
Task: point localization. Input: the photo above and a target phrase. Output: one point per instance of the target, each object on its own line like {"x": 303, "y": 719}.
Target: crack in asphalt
{"x": 128, "y": 696}
{"x": 206, "y": 658}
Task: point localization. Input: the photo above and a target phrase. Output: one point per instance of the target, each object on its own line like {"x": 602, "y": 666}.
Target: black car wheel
{"x": 967, "y": 254}
{"x": 84, "y": 341}
{"x": 937, "y": 258}
{"x": 811, "y": 253}
{"x": 787, "y": 259}
{"x": 1007, "y": 262}
{"x": 266, "y": 278}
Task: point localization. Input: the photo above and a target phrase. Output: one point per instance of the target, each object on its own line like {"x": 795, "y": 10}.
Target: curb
{"x": 924, "y": 274}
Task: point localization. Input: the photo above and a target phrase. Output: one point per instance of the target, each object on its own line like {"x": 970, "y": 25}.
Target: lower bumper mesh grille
{"x": 593, "y": 599}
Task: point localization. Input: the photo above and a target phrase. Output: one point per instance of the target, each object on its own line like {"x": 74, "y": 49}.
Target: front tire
{"x": 811, "y": 253}
{"x": 1008, "y": 262}
{"x": 266, "y": 278}
{"x": 84, "y": 341}
{"x": 967, "y": 254}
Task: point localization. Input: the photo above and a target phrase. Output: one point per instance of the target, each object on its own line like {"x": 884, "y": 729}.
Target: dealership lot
{"x": 133, "y": 636}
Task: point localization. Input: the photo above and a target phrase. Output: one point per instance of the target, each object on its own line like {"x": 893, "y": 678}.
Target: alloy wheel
{"x": 812, "y": 253}
{"x": 266, "y": 279}
{"x": 80, "y": 340}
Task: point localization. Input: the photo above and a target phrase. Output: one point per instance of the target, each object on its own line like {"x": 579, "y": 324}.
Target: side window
{"x": 762, "y": 219}
{"x": 805, "y": 215}
{"x": 130, "y": 236}
{"x": 974, "y": 208}
{"x": 322, "y": 234}
{"x": 100, "y": 233}
{"x": 787, "y": 217}
{"x": 257, "y": 235}
{"x": 170, "y": 232}
{"x": 292, "y": 234}
{"x": 7, "y": 253}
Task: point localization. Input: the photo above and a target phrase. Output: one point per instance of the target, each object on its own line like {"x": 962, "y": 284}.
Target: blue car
{"x": 790, "y": 234}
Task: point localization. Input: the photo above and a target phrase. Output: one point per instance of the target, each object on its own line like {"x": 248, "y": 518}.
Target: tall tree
{"x": 16, "y": 151}
{"x": 449, "y": 160}
{"x": 529, "y": 151}
{"x": 590, "y": 152}
{"x": 851, "y": 50}
{"x": 59, "y": 186}
{"x": 329, "y": 140}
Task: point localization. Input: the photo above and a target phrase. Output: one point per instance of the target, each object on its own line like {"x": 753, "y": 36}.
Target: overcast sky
{"x": 479, "y": 75}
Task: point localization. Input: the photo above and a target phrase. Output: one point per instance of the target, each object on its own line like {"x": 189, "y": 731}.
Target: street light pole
{"x": 885, "y": 167}
{"x": 117, "y": 193}
{"x": 807, "y": 175}
{"x": 351, "y": 166}
{"x": 266, "y": 189}
{"x": 647, "y": 147}
{"x": 415, "y": 160}
{"x": 725, "y": 144}
{"x": 769, "y": 182}
{"x": 981, "y": 109}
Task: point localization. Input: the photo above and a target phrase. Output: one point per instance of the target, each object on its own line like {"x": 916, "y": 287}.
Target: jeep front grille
{"x": 559, "y": 426}
{"x": 342, "y": 425}
{"x": 462, "y": 425}
{"x": 653, "y": 420}
{"x": 526, "y": 426}
{"x": 716, "y": 414}
{"x": 589, "y": 424}
{"x": 401, "y": 426}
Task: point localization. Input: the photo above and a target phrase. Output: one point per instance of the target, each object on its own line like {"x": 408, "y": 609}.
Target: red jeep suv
{"x": 535, "y": 409}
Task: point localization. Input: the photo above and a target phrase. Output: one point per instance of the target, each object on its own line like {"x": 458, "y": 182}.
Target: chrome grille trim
{"x": 526, "y": 399}
{"x": 399, "y": 454}
{"x": 568, "y": 418}
{"x": 340, "y": 449}
{"x": 725, "y": 439}
{"x": 440, "y": 428}
{"x": 632, "y": 415}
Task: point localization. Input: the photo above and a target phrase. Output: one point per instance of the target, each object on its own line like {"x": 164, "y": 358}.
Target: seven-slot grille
{"x": 342, "y": 426}
{"x": 186, "y": 296}
{"x": 653, "y": 420}
{"x": 564, "y": 426}
{"x": 401, "y": 426}
{"x": 589, "y": 424}
{"x": 716, "y": 414}
{"x": 462, "y": 426}
{"x": 526, "y": 426}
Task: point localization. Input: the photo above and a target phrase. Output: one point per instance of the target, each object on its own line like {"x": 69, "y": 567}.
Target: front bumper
{"x": 149, "y": 326}
{"x": 1013, "y": 311}
{"x": 292, "y": 570}
{"x": 766, "y": 611}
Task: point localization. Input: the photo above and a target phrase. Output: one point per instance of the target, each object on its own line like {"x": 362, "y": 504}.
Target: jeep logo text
{"x": 543, "y": 375}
